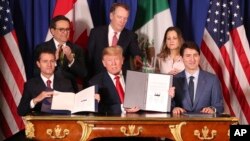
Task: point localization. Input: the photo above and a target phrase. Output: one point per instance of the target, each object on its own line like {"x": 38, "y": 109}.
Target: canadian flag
{"x": 81, "y": 22}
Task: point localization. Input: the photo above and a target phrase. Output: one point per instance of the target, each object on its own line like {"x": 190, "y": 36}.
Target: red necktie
{"x": 114, "y": 40}
{"x": 48, "y": 83}
{"x": 119, "y": 88}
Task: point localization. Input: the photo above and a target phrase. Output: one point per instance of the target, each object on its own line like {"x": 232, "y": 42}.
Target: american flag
{"x": 225, "y": 51}
{"x": 12, "y": 75}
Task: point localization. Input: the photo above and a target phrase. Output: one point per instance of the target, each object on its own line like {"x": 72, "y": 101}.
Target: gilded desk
{"x": 87, "y": 127}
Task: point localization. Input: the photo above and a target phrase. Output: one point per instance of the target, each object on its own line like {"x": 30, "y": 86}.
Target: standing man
{"x": 39, "y": 88}
{"x": 110, "y": 83}
{"x": 196, "y": 90}
{"x": 70, "y": 60}
{"x": 113, "y": 34}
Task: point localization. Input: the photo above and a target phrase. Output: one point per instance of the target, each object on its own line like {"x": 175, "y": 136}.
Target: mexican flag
{"x": 153, "y": 17}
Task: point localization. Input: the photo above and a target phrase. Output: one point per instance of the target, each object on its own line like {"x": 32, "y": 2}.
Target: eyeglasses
{"x": 63, "y": 29}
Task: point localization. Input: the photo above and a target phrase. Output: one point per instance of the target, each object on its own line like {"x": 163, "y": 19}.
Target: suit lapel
{"x": 56, "y": 84}
{"x": 185, "y": 92}
{"x": 52, "y": 44}
{"x": 39, "y": 86}
{"x": 109, "y": 83}
{"x": 106, "y": 34}
{"x": 123, "y": 39}
{"x": 200, "y": 87}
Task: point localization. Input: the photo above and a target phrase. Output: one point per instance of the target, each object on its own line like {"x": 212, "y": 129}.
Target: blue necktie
{"x": 46, "y": 105}
{"x": 191, "y": 88}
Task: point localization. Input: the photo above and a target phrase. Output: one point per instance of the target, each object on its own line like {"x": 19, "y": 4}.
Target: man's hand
{"x": 132, "y": 110}
{"x": 138, "y": 62}
{"x": 171, "y": 91}
{"x": 178, "y": 110}
{"x": 68, "y": 53}
{"x": 97, "y": 97}
{"x": 42, "y": 96}
{"x": 208, "y": 110}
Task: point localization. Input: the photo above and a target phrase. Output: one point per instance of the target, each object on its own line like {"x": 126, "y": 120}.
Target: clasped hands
{"x": 67, "y": 52}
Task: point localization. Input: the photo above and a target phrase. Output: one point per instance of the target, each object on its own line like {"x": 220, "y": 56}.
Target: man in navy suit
{"x": 204, "y": 94}
{"x": 70, "y": 58}
{"x": 102, "y": 37}
{"x": 36, "y": 89}
{"x": 111, "y": 102}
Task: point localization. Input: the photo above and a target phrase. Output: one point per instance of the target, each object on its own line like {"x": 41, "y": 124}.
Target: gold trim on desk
{"x": 204, "y": 134}
{"x": 130, "y": 132}
{"x": 176, "y": 131}
{"x": 128, "y": 117}
{"x": 57, "y": 133}
{"x": 30, "y": 130}
{"x": 88, "y": 127}
{"x": 86, "y": 130}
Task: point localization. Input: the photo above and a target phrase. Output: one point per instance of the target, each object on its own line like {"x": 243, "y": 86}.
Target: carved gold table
{"x": 80, "y": 127}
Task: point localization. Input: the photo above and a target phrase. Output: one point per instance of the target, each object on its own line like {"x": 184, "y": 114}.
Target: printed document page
{"x": 85, "y": 100}
{"x": 158, "y": 98}
{"x": 62, "y": 100}
{"x": 79, "y": 102}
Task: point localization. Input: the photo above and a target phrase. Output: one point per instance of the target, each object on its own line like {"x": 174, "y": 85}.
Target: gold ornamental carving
{"x": 29, "y": 130}
{"x": 203, "y": 135}
{"x": 131, "y": 131}
{"x": 57, "y": 133}
{"x": 176, "y": 131}
{"x": 86, "y": 130}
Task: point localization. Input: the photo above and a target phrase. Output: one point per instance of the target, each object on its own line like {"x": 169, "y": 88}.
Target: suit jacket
{"x": 98, "y": 40}
{"x": 78, "y": 68}
{"x": 34, "y": 86}
{"x": 208, "y": 92}
{"x": 110, "y": 102}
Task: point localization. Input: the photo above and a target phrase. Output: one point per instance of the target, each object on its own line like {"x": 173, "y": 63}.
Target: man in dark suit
{"x": 196, "y": 90}
{"x": 36, "y": 89}
{"x": 111, "y": 102}
{"x": 70, "y": 58}
{"x": 111, "y": 35}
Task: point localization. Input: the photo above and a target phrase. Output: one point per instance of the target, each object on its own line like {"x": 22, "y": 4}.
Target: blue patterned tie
{"x": 46, "y": 105}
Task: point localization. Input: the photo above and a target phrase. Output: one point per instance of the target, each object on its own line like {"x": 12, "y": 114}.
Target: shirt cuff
{"x": 70, "y": 64}
{"x": 32, "y": 104}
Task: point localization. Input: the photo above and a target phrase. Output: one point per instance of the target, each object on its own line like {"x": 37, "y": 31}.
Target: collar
{"x": 45, "y": 79}
{"x": 195, "y": 75}
{"x": 57, "y": 43}
{"x": 111, "y": 30}
{"x": 113, "y": 76}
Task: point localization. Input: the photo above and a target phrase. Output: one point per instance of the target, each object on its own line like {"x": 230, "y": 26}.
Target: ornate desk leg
{"x": 86, "y": 130}
{"x": 176, "y": 131}
{"x": 29, "y": 130}
{"x": 131, "y": 130}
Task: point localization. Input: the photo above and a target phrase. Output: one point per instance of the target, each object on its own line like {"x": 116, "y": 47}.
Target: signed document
{"x": 83, "y": 101}
{"x": 148, "y": 91}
